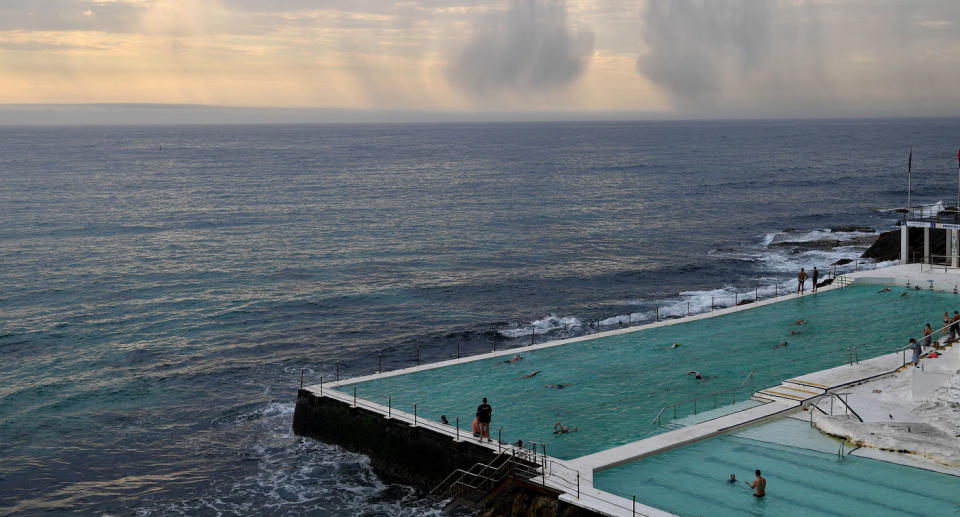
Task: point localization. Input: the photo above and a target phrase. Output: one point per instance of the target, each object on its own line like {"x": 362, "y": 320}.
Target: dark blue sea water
{"x": 158, "y": 305}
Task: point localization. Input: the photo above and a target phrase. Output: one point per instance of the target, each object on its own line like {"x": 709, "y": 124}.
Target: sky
{"x": 652, "y": 58}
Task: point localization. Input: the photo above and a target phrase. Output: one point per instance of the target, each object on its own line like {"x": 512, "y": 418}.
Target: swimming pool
{"x": 806, "y": 477}
{"x": 618, "y": 383}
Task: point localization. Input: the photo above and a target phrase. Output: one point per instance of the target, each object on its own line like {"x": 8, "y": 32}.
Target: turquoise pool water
{"x": 805, "y": 478}
{"x": 620, "y": 382}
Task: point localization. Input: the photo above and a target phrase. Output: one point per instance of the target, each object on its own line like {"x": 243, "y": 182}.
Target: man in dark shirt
{"x": 816, "y": 275}
{"x": 484, "y": 412}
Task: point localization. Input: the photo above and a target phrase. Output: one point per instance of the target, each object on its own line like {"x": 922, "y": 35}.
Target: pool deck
{"x": 574, "y": 478}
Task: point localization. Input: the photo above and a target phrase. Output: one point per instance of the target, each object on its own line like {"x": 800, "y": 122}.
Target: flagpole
{"x": 910, "y": 182}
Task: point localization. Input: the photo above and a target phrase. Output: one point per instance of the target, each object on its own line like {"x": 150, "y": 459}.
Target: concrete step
{"x": 790, "y": 391}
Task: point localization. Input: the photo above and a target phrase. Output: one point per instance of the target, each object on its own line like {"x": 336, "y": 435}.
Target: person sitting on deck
{"x": 558, "y": 428}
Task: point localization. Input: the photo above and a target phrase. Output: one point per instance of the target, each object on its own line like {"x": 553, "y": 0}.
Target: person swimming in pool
{"x": 782, "y": 344}
{"x": 558, "y": 428}
{"x": 733, "y": 479}
{"x": 514, "y": 359}
{"x": 800, "y": 322}
{"x": 696, "y": 374}
{"x": 759, "y": 485}
{"x": 531, "y": 374}
{"x": 884, "y": 290}
{"x": 558, "y": 386}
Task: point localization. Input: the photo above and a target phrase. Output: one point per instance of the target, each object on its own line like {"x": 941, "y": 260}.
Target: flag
{"x": 910, "y": 160}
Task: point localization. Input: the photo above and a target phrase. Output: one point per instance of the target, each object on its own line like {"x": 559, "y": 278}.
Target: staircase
{"x": 793, "y": 390}
{"x": 482, "y": 483}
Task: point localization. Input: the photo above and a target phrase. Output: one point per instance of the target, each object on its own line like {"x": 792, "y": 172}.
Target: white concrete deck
{"x": 679, "y": 437}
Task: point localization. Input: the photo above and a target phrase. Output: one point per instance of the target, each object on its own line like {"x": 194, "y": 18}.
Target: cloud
{"x": 803, "y": 57}
{"x": 528, "y": 48}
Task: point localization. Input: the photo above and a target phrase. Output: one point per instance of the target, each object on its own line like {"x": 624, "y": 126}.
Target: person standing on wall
{"x": 801, "y": 280}
{"x": 815, "y": 276}
{"x": 484, "y": 413}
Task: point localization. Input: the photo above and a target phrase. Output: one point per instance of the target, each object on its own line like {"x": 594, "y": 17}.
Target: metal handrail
{"x": 714, "y": 394}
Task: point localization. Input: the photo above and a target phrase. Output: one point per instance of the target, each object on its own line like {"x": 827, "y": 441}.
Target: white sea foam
{"x": 542, "y": 326}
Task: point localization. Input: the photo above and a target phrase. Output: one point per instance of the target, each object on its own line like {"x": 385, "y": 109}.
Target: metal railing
{"x": 715, "y": 395}
{"x": 597, "y": 325}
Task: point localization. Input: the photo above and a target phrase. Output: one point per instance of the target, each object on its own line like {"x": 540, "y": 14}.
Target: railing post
{"x": 578, "y": 484}
{"x": 656, "y": 316}
{"x": 379, "y": 362}
{"x": 418, "y": 355}
{"x": 756, "y": 294}
{"x": 674, "y": 412}
{"x": 414, "y": 415}
{"x": 688, "y": 308}
{"x": 634, "y": 504}
{"x": 736, "y": 297}
{"x": 458, "y": 429}
{"x": 499, "y": 437}
{"x": 458, "y": 348}
{"x": 533, "y": 334}
{"x": 598, "y": 325}
{"x": 321, "y": 385}
{"x": 338, "y": 370}
{"x": 301, "y": 378}
{"x": 694, "y": 406}
{"x": 354, "y": 396}
{"x": 389, "y": 407}
{"x": 711, "y": 303}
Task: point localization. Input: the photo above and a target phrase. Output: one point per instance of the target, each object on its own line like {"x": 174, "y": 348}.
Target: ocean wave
{"x": 542, "y": 326}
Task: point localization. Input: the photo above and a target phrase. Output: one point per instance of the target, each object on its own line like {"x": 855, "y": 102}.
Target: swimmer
{"x": 884, "y": 290}
{"x": 800, "y": 322}
{"x": 443, "y": 420}
{"x": 514, "y": 359}
{"x": 782, "y": 344}
{"x": 558, "y": 386}
{"x": 695, "y": 374}
{"x": 560, "y": 429}
{"x": 531, "y": 374}
{"x": 903, "y": 294}
{"x": 675, "y": 345}
{"x": 733, "y": 479}
{"x": 793, "y": 332}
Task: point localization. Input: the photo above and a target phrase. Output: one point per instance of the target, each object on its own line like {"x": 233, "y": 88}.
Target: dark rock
{"x": 842, "y": 262}
{"x": 887, "y": 245}
{"x": 861, "y": 229}
{"x": 744, "y": 302}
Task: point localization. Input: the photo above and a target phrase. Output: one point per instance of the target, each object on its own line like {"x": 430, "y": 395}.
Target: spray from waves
{"x": 296, "y": 476}
{"x": 775, "y": 258}
{"x": 542, "y": 326}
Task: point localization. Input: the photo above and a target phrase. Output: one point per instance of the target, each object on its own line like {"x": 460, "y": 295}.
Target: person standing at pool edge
{"x": 816, "y": 275}
{"x": 927, "y": 335}
{"x": 801, "y": 280}
{"x": 759, "y": 485}
{"x": 916, "y": 352}
{"x": 484, "y": 413}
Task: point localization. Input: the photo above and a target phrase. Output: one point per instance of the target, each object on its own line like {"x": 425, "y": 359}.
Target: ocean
{"x": 164, "y": 288}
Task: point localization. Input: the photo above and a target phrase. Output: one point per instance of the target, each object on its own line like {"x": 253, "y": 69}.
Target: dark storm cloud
{"x": 530, "y": 47}
{"x": 804, "y": 58}
{"x": 693, "y": 42}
